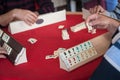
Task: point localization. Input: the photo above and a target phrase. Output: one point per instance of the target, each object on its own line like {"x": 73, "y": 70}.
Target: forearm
{"x": 113, "y": 25}
{"x": 6, "y": 18}
{"x": 108, "y": 21}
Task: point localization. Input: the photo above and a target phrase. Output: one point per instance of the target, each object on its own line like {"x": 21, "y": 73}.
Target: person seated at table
{"x": 114, "y": 14}
{"x": 109, "y": 68}
{"x": 25, "y": 10}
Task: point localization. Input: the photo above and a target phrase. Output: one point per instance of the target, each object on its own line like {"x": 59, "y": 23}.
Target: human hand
{"x": 25, "y": 15}
{"x": 97, "y": 9}
{"x": 2, "y": 52}
{"x": 102, "y": 22}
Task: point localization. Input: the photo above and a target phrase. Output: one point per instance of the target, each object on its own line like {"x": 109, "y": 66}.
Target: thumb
{"x": 94, "y": 23}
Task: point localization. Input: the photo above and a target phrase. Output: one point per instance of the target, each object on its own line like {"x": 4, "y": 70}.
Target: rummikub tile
{"x": 78, "y": 54}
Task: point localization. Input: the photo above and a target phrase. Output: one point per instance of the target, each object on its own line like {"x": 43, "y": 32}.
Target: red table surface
{"x": 49, "y": 39}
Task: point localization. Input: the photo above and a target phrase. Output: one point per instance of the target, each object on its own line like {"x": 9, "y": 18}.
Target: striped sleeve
{"x": 115, "y": 13}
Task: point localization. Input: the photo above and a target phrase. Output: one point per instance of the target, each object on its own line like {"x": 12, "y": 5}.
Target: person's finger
{"x": 91, "y": 18}
{"x": 90, "y": 10}
{"x": 30, "y": 21}
{"x": 33, "y": 14}
{"x": 2, "y": 51}
{"x": 95, "y": 9}
{"x": 27, "y": 22}
{"x": 100, "y": 9}
{"x": 30, "y": 18}
{"x": 95, "y": 23}
{"x": 2, "y": 56}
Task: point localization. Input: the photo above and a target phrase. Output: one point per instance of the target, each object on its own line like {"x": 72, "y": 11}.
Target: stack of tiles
{"x": 77, "y": 55}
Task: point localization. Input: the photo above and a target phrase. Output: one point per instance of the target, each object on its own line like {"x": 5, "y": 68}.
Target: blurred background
{"x": 77, "y": 5}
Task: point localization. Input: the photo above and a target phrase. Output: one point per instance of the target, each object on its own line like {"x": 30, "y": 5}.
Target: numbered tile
{"x": 8, "y": 48}
{"x": 5, "y": 37}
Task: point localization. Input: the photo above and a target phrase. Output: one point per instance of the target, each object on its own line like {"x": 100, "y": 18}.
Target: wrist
{"x": 115, "y": 23}
{"x": 13, "y": 14}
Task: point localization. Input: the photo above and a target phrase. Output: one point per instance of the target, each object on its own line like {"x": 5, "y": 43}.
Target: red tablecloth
{"x": 49, "y": 39}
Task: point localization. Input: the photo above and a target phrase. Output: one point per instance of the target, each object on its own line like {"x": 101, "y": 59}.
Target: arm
{"x": 97, "y": 9}
{"x": 113, "y": 14}
{"x": 6, "y": 18}
{"x": 18, "y": 14}
{"x": 103, "y": 22}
